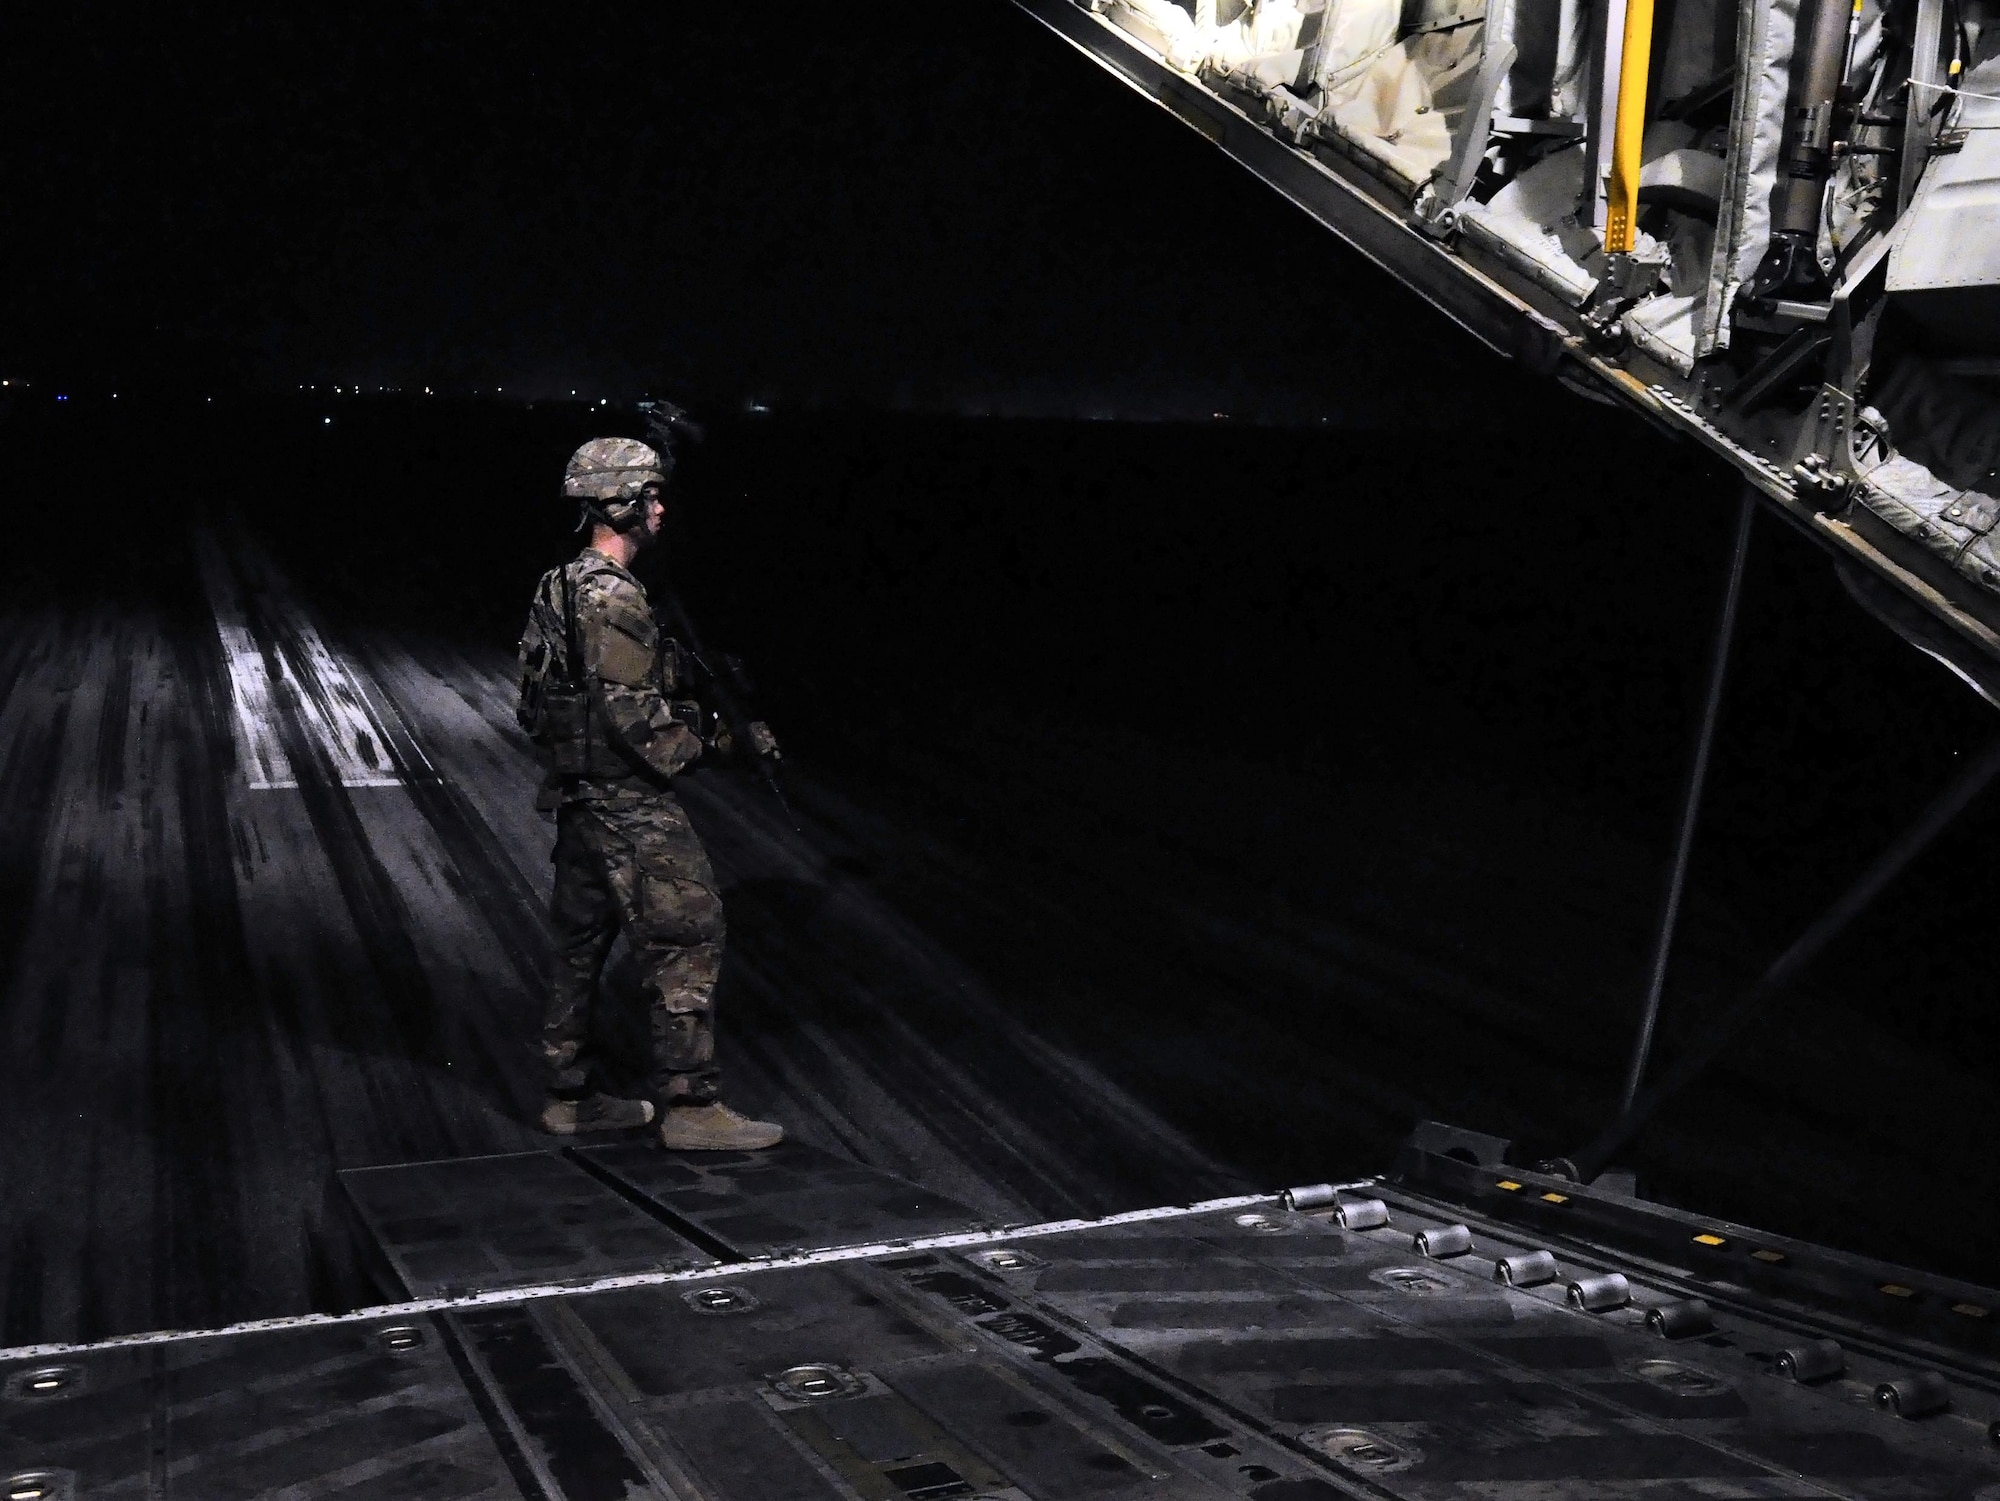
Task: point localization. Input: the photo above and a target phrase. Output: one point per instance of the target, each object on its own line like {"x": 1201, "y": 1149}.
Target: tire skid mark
{"x": 970, "y": 896}
{"x": 115, "y": 716}
{"x": 420, "y": 1026}
{"x": 36, "y": 724}
{"x": 481, "y": 881}
{"x": 259, "y": 756}
{"x": 30, "y": 769}
{"x": 997, "y": 1105}
{"x": 265, "y": 664}
{"x": 202, "y": 988}
{"x": 1291, "y": 953}
{"x": 377, "y": 911}
{"x": 971, "y": 1128}
{"x": 21, "y": 1313}
{"x": 493, "y": 884}
{"x": 865, "y": 1030}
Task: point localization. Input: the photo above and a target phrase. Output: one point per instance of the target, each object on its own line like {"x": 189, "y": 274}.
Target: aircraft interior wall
{"x": 1791, "y": 278}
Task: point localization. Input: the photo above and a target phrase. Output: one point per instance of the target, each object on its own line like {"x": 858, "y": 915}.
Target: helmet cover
{"x": 612, "y": 471}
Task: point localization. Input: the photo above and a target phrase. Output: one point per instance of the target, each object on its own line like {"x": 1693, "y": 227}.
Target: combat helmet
{"x": 607, "y": 475}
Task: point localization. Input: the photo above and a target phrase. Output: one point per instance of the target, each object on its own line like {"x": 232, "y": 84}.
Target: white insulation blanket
{"x": 1378, "y": 93}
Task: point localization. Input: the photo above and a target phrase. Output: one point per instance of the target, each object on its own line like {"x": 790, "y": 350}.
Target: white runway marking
{"x": 329, "y": 706}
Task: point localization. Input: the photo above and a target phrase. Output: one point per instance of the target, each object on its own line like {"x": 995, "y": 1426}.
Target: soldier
{"x": 597, "y": 696}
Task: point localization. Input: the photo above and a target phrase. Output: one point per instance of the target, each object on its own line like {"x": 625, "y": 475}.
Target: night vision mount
{"x": 667, "y": 426}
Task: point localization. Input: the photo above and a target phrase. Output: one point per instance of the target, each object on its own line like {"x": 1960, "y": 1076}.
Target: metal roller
{"x": 1598, "y": 1293}
{"x": 1530, "y": 1269}
{"x": 1447, "y": 1240}
{"x": 1915, "y": 1396}
{"x": 1821, "y": 1360}
{"x": 1679, "y": 1320}
{"x": 1361, "y": 1214}
{"x": 1312, "y": 1196}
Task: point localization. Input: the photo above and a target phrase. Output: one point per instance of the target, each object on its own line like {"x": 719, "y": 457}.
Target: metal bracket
{"x": 1824, "y": 468}
{"x": 1816, "y": 482}
{"x": 1629, "y": 275}
{"x": 1437, "y": 210}
{"x": 1853, "y": 332}
{"x": 1782, "y": 365}
{"x": 1442, "y": 1140}
{"x": 1288, "y": 114}
{"x": 1625, "y": 280}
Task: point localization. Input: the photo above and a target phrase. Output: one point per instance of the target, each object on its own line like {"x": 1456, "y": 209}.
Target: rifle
{"x": 666, "y": 424}
{"x": 720, "y": 690}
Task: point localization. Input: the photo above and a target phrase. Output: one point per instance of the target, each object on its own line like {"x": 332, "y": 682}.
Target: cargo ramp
{"x": 618, "y": 1322}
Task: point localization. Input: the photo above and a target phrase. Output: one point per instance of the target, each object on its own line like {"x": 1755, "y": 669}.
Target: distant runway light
{"x": 327, "y": 420}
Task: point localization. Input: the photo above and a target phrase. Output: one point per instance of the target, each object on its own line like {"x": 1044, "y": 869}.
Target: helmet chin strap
{"x": 634, "y": 516}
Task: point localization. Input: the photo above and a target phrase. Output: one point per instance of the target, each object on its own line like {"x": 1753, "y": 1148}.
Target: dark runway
{"x": 1127, "y": 876}
{"x": 255, "y": 957}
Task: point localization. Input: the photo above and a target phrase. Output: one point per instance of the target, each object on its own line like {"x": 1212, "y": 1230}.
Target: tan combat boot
{"x": 598, "y": 1112}
{"x": 714, "y": 1127}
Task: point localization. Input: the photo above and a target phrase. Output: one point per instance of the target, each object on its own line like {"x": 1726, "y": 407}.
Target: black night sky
{"x": 940, "y": 207}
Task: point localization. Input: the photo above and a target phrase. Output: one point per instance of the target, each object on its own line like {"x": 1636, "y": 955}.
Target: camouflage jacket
{"x": 631, "y": 677}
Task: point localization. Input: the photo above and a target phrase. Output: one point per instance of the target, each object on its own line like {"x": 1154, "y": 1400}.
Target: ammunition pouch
{"x": 690, "y": 713}
{"x": 564, "y": 734}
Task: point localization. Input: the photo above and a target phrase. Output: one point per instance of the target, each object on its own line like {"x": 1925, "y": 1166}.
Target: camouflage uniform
{"x": 625, "y": 854}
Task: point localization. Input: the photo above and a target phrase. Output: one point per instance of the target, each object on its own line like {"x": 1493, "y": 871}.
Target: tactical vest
{"x": 555, "y": 707}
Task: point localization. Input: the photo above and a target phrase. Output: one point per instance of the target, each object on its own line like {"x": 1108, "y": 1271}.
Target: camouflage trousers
{"x": 630, "y": 860}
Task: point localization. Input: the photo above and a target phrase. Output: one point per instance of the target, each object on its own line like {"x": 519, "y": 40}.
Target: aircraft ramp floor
{"x": 613, "y": 1321}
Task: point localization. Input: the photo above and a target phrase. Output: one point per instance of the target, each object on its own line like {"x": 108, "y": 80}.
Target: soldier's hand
{"x": 762, "y": 741}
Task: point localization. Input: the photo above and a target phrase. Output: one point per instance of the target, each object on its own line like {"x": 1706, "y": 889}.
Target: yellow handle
{"x": 1621, "y": 217}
